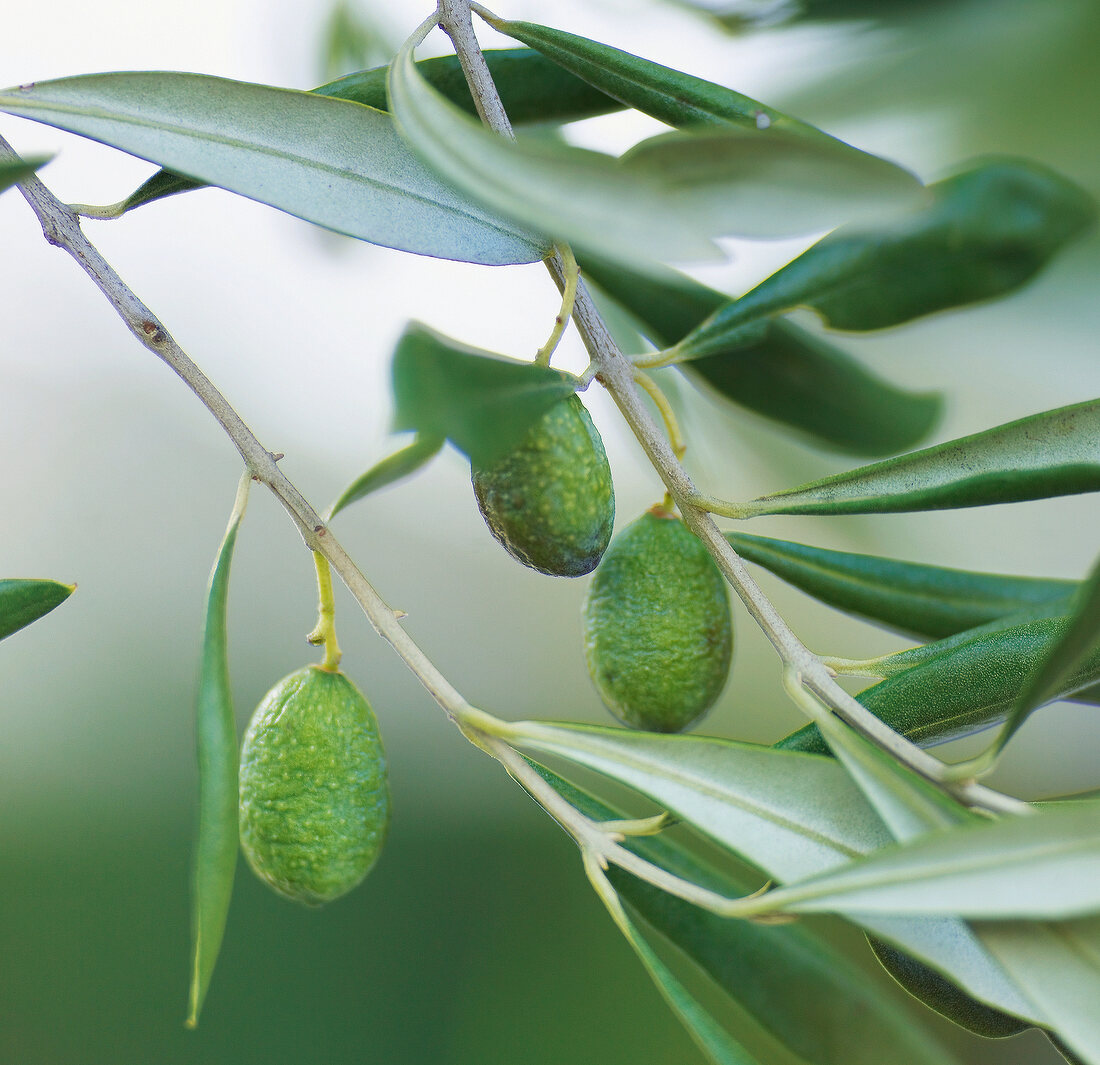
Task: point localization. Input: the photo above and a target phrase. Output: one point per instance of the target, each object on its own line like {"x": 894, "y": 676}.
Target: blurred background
{"x": 476, "y": 939}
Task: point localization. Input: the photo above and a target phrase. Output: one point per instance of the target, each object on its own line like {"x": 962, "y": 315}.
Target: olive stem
{"x": 325, "y": 631}
{"x": 544, "y": 354}
{"x": 664, "y": 408}
{"x": 616, "y": 373}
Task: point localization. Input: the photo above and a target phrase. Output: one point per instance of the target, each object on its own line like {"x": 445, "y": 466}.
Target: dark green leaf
{"x": 908, "y": 597}
{"x": 791, "y": 982}
{"x": 329, "y": 161}
{"x": 25, "y": 600}
{"x": 979, "y": 235}
{"x": 1054, "y": 453}
{"x": 392, "y": 468}
{"x": 483, "y": 404}
{"x": 783, "y": 373}
{"x": 969, "y": 687}
{"x": 679, "y": 99}
{"x": 1062, "y": 664}
{"x": 215, "y": 859}
{"x": 533, "y": 90}
{"x": 14, "y": 172}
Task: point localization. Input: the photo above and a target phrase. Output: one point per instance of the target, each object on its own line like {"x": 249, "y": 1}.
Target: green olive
{"x": 314, "y": 798}
{"x": 550, "y": 501}
{"x": 657, "y": 630}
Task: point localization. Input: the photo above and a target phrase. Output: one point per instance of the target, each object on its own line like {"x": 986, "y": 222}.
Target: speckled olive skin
{"x": 551, "y": 502}
{"x": 314, "y": 795}
{"x": 657, "y": 631}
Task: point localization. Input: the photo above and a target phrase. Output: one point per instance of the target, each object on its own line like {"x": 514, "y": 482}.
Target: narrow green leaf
{"x": 23, "y": 600}
{"x": 909, "y": 597}
{"x": 666, "y": 199}
{"x": 968, "y": 687}
{"x": 215, "y": 859}
{"x": 1046, "y": 865}
{"x": 670, "y": 95}
{"x": 1076, "y": 650}
{"x": 482, "y": 403}
{"x": 392, "y": 468}
{"x": 1057, "y": 964}
{"x": 1054, "y": 453}
{"x": 533, "y": 90}
{"x": 981, "y": 234}
{"x": 790, "y": 818}
{"x": 329, "y": 161}
{"x": 792, "y": 983}
{"x": 14, "y": 172}
{"x": 784, "y": 374}
{"x": 712, "y": 1039}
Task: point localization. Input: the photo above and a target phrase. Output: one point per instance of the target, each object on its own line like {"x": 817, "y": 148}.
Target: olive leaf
{"x": 23, "y": 600}
{"x": 981, "y": 234}
{"x": 215, "y": 857}
{"x": 670, "y": 95}
{"x": 790, "y": 818}
{"x": 339, "y": 164}
{"x": 969, "y": 686}
{"x": 1057, "y": 965}
{"x": 1042, "y": 866}
{"x": 783, "y": 373}
{"x": 792, "y": 983}
{"x": 1054, "y": 453}
{"x": 11, "y": 173}
{"x": 665, "y": 199}
{"x": 533, "y": 90}
{"x": 1077, "y": 649}
{"x": 483, "y": 403}
{"x": 913, "y": 598}
{"x": 392, "y": 468}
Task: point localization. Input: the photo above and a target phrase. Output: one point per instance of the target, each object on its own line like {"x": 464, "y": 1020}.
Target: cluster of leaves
{"x": 994, "y": 922}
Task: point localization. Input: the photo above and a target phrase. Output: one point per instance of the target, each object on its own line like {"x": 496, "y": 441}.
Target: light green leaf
{"x": 801, "y": 990}
{"x": 335, "y": 163}
{"x": 969, "y": 686}
{"x": 909, "y": 597}
{"x": 393, "y": 468}
{"x": 11, "y": 173}
{"x": 533, "y": 90}
{"x": 793, "y": 815}
{"x": 1057, "y": 964}
{"x": 1053, "y": 453}
{"x": 1046, "y": 865}
{"x": 483, "y": 403}
{"x": 789, "y": 818}
{"x": 785, "y": 374}
{"x": 666, "y": 200}
{"x": 981, "y": 234}
{"x": 1076, "y": 651}
{"x": 23, "y": 600}
{"x": 215, "y": 858}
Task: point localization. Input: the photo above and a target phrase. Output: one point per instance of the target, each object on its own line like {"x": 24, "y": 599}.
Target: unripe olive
{"x": 657, "y": 630}
{"x": 314, "y": 798}
{"x": 550, "y": 500}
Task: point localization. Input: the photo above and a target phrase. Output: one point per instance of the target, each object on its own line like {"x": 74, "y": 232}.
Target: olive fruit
{"x": 657, "y": 630}
{"x": 550, "y": 500}
{"x": 314, "y": 799}
{"x": 945, "y": 997}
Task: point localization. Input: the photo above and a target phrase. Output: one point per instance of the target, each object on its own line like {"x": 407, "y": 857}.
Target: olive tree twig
{"x": 616, "y": 373}
{"x": 61, "y": 228}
